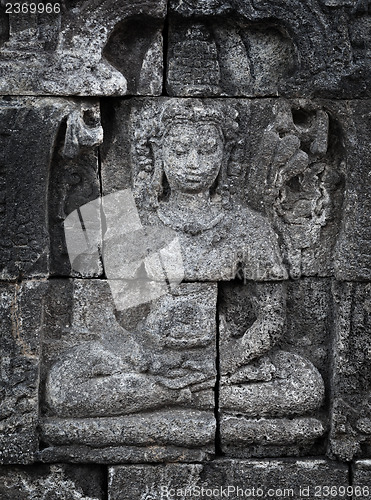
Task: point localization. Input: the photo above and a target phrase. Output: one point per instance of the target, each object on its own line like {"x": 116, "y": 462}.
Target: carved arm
{"x": 267, "y": 329}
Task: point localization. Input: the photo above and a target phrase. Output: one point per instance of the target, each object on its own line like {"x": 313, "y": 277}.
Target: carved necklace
{"x": 188, "y": 222}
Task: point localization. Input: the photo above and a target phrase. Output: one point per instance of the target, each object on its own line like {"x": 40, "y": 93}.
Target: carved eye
{"x": 208, "y": 146}
{"x": 180, "y": 149}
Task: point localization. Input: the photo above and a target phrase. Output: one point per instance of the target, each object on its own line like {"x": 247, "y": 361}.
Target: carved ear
{"x": 156, "y": 147}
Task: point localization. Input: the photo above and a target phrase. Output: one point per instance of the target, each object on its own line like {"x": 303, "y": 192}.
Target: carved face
{"x": 192, "y": 156}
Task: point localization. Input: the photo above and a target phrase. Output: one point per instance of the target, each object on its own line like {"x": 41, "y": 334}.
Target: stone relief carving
{"x": 147, "y": 378}
{"x": 39, "y": 127}
{"x": 159, "y": 356}
{"x": 263, "y": 48}
{"x": 73, "y": 49}
{"x": 301, "y": 181}
{"x": 265, "y": 385}
{"x": 272, "y": 384}
{"x": 241, "y": 58}
{"x": 184, "y": 248}
{"x": 247, "y": 370}
{"x": 73, "y": 182}
{"x": 145, "y": 369}
{"x": 187, "y": 184}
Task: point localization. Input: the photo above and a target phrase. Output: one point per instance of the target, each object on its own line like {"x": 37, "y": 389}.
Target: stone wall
{"x": 185, "y": 249}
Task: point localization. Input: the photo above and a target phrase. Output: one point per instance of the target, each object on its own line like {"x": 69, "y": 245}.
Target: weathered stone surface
{"x": 273, "y": 367}
{"x": 29, "y": 129}
{"x": 21, "y": 324}
{"x": 350, "y": 414}
{"x": 39, "y": 182}
{"x": 211, "y": 236}
{"x": 185, "y": 265}
{"x": 227, "y": 478}
{"x": 89, "y": 49}
{"x": 361, "y": 473}
{"x": 309, "y": 323}
{"x": 233, "y": 58}
{"x": 297, "y": 178}
{"x": 141, "y": 263}
{"x": 245, "y": 437}
{"x": 162, "y": 427}
{"x": 43, "y": 482}
{"x": 154, "y": 366}
{"x": 285, "y": 160}
{"x": 292, "y": 48}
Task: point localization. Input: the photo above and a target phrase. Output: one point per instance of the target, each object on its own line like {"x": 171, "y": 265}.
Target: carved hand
{"x": 262, "y": 370}
{"x": 264, "y": 333}
{"x": 255, "y": 342}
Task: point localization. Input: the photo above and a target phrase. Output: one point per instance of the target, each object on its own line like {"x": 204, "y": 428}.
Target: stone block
{"x": 274, "y": 351}
{"x": 265, "y": 49}
{"x": 47, "y": 168}
{"x": 21, "y": 330}
{"x": 128, "y": 385}
{"x": 226, "y": 478}
{"x": 29, "y": 128}
{"x": 52, "y": 482}
{"x": 88, "y": 49}
{"x": 350, "y": 413}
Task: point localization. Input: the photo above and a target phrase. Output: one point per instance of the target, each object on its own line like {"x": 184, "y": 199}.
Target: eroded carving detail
{"x": 227, "y": 58}
{"x": 300, "y": 179}
{"x": 73, "y": 182}
{"x": 73, "y": 50}
{"x": 264, "y": 48}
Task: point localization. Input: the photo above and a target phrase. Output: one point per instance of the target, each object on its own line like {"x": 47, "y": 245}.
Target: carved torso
{"x": 240, "y": 238}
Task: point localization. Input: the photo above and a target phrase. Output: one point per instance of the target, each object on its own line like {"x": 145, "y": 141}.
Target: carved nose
{"x": 193, "y": 161}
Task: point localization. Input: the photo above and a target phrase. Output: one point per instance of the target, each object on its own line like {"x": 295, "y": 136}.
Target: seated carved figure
{"x": 218, "y": 235}
{"x": 158, "y": 365}
{"x": 187, "y": 190}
